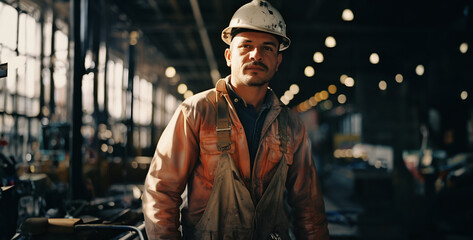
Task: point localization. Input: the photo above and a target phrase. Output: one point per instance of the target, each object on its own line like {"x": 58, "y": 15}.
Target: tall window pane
{"x": 114, "y": 88}
{"x": 8, "y": 24}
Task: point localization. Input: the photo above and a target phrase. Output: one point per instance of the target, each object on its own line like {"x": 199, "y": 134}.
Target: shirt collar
{"x": 238, "y": 100}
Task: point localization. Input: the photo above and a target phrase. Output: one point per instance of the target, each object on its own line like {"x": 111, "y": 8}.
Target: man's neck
{"x": 252, "y": 95}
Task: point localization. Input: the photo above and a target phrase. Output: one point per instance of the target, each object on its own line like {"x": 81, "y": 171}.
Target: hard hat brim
{"x": 227, "y": 36}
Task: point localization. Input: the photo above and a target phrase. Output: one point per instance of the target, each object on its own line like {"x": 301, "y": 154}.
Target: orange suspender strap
{"x": 224, "y": 126}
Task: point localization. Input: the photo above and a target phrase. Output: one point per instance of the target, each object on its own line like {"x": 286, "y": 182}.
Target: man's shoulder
{"x": 200, "y": 102}
{"x": 205, "y": 97}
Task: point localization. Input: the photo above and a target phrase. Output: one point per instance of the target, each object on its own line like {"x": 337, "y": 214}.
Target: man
{"x": 242, "y": 155}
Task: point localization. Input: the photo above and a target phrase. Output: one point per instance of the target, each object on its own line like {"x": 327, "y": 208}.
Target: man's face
{"x": 253, "y": 58}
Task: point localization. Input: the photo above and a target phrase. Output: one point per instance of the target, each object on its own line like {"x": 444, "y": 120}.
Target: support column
{"x": 77, "y": 29}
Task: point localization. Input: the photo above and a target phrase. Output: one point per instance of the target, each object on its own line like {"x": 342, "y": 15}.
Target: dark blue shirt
{"x": 251, "y": 120}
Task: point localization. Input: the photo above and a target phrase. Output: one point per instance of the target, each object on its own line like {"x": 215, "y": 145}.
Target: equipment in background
{"x": 3, "y": 70}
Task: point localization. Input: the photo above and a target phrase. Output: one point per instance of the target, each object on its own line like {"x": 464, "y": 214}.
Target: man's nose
{"x": 255, "y": 54}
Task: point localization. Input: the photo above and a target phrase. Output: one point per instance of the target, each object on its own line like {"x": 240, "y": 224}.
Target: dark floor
{"x": 366, "y": 205}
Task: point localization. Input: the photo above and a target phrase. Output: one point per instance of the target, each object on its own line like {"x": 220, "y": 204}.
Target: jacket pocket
{"x": 210, "y": 155}
{"x": 274, "y": 150}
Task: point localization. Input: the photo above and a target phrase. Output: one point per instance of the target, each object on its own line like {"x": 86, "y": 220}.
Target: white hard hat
{"x": 261, "y": 16}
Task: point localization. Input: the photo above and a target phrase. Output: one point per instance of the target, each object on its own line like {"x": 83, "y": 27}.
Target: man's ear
{"x": 228, "y": 57}
{"x": 279, "y": 60}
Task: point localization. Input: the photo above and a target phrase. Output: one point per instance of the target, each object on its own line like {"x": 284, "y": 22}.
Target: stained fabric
{"x": 231, "y": 212}
{"x": 187, "y": 156}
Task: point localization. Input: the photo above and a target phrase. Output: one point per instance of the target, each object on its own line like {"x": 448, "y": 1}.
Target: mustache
{"x": 255, "y": 63}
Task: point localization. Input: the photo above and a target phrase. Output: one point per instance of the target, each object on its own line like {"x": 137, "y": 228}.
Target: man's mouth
{"x": 255, "y": 66}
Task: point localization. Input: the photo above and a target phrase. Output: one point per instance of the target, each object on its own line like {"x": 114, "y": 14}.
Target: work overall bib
{"x": 230, "y": 211}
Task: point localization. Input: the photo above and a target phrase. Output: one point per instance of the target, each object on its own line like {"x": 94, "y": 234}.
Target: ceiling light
{"x": 342, "y": 78}
{"x": 347, "y": 15}
{"x": 328, "y": 104}
{"x": 349, "y": 82}
{"x": 304, "y": 106}
{"x": 332, "y": 89}
{"x": 382, "y": 85}
{"x": 289, "y": 95}
{"x": 309, "y": 71}
{"x": 330, "y": 42}
{"x": 312, "y": 101}
{"x": 182, "y": 88}
{"x": 464, "y": 95}
{"x": 342, "y": 98}
{"x": 284, "y": 100}
{"x": 420, "y": 70}
{"x": 324, "y": 95}
{"x": 318, "y": 57}
{"x": 464, "y": 47}
{"x": 374, "y": 58}
{"x": 399, "y": 78}
{"x": 300, "y": 108}
{"x": 188, "y": 94}
{"x": 294, "y": 89}
{"x": 170, "y": 72}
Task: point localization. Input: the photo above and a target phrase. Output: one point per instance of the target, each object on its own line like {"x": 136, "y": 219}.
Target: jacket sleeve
{"x": 305, "y": 195}
{"x": 174, "y": 159}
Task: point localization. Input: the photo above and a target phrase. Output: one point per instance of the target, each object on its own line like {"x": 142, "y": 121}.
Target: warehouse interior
{"x": 384, "y": 89}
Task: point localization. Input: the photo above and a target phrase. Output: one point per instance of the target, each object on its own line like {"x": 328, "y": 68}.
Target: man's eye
{"x": 268, "y": 48}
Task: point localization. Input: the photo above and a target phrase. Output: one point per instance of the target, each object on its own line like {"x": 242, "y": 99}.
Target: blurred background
{"x": 385, "y": 89}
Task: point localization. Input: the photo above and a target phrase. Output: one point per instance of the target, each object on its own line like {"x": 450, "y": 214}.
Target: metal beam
{"x": 214, "y": 73}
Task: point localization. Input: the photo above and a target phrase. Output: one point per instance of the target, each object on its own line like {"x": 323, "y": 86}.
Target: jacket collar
{"x": 221, "y": 86}
{"x": 273, "y": 111}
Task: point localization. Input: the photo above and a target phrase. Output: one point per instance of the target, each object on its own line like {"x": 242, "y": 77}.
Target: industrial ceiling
{"x": 403, "y": 33}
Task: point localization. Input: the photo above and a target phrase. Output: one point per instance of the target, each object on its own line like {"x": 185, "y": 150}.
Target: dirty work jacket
{"x": 187, "y": 154}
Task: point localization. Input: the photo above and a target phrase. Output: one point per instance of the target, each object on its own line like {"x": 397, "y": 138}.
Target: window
{"x": 159, "y": 108}
{"x": 142, "y": 92}
{"x": 20, "y": 47}
{"x": 142, "y": 112}
{"x": 115, "y": 88}
{"x": 60, "y": 76}
{"x": 170, "y": 104}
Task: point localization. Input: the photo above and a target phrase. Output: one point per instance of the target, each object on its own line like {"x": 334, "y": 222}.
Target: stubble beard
{"x": 255, "y": 80}
{"x": 258, "y": 82}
